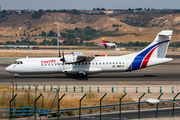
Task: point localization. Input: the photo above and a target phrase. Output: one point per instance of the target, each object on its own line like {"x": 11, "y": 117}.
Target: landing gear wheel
{"x": 83, "y": 76}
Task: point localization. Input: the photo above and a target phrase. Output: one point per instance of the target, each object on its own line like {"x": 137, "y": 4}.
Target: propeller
{"x": 63, "y": 58}
{"x": 59, "y": 53}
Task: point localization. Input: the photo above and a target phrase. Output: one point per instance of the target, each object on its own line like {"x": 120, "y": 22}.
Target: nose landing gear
{"x": 16, "y": 75}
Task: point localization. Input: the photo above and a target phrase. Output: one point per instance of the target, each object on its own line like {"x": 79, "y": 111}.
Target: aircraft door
{"x": 129, "y": 63}
{"x": 60, "y": 67}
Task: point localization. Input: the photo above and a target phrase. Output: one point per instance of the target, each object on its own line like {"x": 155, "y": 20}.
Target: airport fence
{"x": 29, "y": 111}
{"x": 102, "y": 88}
{"x": 49, "y": 98}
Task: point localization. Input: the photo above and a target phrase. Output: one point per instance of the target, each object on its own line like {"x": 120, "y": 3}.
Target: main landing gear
{"x": 82, "y": 75}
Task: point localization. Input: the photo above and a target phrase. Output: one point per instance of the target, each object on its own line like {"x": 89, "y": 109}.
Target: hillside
{"x": 137, "y": 27}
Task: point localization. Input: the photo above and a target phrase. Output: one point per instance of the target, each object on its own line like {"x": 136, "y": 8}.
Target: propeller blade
{"x": 59, "y": 53}
{"x": 63, "y": 57}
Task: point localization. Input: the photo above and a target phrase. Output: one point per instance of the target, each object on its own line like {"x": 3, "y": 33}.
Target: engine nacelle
{"x": 70, "y": 58}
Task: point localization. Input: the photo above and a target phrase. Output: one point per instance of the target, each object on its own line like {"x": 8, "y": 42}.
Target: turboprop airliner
{"x": 83, "y": 65}
{"x": 112, "y": 45}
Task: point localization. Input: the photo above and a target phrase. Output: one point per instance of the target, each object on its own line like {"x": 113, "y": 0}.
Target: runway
{"x": 164, "y": 74}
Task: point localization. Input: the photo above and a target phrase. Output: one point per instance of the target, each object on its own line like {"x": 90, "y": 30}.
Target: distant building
{"x": 108, "y": 12}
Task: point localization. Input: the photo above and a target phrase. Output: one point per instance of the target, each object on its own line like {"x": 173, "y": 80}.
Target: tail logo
{"x": 142, "y": 59}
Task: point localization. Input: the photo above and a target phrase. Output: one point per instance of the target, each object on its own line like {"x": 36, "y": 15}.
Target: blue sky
{"x": 88, "y": 4}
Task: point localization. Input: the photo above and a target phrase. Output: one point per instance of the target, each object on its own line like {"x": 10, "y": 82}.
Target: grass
{"x": 92, "y": 99}
{"x": 51, "y": 102}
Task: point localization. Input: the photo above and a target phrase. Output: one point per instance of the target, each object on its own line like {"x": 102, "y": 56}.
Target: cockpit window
{"x": 18, "y": 62}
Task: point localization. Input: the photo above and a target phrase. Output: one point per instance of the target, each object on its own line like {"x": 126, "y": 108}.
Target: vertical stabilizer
{"x": 157, "y": 49}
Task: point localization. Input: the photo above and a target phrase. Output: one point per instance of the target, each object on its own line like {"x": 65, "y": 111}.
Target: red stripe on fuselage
{"x": 146, "y": 59}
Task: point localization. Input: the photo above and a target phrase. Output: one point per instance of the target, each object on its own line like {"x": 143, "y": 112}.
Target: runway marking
{"x": 122, "y": 83}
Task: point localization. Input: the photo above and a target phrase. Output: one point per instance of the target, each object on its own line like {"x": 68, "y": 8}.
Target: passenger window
{"x": 103, "y": 63}
{"x": 109, "y": 62}
{"x": 82, "y": 63}
{"x": 45, "y": 64}
{"x": 119, "y": 62}
{"x": 85, "y": 63}
{"x": 49, "y": 64}
{"x": 99, "y": 63}
{"x": 55, "y": 64}
{"x": 41, "y": 64}
{"x": 79, "y": 63}
{"x": 96, "y": 63}
{"x": 93, "y": 63}
{"x": 52, "y": 64}
{"x": 106, "y": 63}
{"x": 116, "y": 62}
{"x": 89, "y": 63}
{"x": 113, "y": 62}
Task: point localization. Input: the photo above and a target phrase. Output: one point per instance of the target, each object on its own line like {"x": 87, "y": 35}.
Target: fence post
{"x": 59, "y": 104}
{"x": 44, "y": 88}
{"x": 82, "y": 89}
{"x": 173, "y": 104}
{"x": 59, "y": 88}
{"x": 74, "y": 88}
{"x": 10, "y": 106}
{"x": 16, "y": 86}
{"x": 148, "y": 89}
{"x": 36, "y": 87}
{"x": 120, "y": 105}
{"x": 100, "y": 103}
{"x": 35, "y": 106}
{"x": 51, "y": 88}
{"x": 136, "y": 89}
{"x": 172, "y": 89}
{"x": 157, "y": 105}
{"x": 66, "y": 88}
{"x": 80, "y": 107}
{"x": 160, "y": 89}
{"x": 124, "y": 89}
{"x": 28, "y": 103}
{"x": 89, "y": 89}
{"x": 97, "y": 89}
{"x": 139, "y": 106}
{"x": 29, "y": 87}
{"x": 112, "y": 89}
{"x": 22, "y": 86}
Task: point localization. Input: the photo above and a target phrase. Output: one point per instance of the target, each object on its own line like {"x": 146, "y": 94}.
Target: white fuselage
{"x": 54, "y": 65}
{"x": 111, "y": 45}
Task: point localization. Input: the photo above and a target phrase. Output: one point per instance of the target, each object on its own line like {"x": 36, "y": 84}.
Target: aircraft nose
{"x": 8, "y": 69}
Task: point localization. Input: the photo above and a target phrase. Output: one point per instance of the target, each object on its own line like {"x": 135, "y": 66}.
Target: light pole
{"x": 155, "y": 101}
{"x": 151, "y": 102}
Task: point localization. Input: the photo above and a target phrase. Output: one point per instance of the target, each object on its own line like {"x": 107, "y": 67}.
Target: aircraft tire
{"x": 83, "y": 76}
